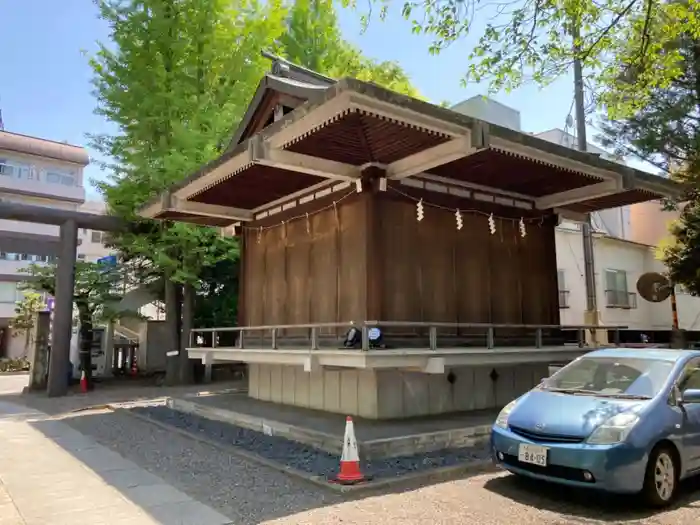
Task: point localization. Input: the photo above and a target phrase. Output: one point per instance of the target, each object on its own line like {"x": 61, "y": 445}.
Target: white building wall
{"x": 484, "y": 108}
{"x": 615, "y": 254}
{"x": 90, "y": 242}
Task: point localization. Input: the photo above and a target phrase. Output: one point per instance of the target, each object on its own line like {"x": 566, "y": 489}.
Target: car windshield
{"x": 622, "y": 377}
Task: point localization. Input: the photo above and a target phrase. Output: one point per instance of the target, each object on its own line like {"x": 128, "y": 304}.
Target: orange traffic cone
{"x": 83, "y": 383}
{"x": 350, "y": 472}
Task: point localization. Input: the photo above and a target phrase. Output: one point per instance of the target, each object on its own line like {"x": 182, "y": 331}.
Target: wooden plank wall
{"x": 427, "y": 271}
{"x": 307, "y": 271}
{"x": 434, "y": 272}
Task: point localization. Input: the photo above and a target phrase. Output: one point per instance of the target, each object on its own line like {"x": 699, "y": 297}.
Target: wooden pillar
{"x": 373, "y": 246}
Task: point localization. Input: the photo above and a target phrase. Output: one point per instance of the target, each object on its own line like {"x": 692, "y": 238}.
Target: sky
{"x": 45, "y": 88}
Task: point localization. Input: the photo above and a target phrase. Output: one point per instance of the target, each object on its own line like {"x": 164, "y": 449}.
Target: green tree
{"x": 178, "y": 75}
{"x": 666, "y": 134}
{"x": 175, "y": 80}
{"x": 26, "y": 311}
{"x": 622, "y": 43}
{"x": 96, "y": 296}
{"x": 313, "y": 39}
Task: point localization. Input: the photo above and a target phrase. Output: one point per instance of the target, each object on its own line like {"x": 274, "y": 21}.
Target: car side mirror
{"x": 691, "y": 395}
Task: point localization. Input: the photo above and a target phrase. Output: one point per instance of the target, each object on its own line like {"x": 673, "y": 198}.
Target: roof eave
{"x": 351, "y": 93}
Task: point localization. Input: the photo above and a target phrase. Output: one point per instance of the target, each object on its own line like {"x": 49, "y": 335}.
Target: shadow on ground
{"x": 244, "y": 491}
{"x": 585, "y": 506}
{"x": 251, "y": 494}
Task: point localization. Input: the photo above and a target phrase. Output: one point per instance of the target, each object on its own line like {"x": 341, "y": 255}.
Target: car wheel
{"x": 661, "y": 478}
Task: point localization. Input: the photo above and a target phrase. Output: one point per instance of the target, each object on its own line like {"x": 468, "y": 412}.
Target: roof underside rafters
{"x": 353, "y": 125}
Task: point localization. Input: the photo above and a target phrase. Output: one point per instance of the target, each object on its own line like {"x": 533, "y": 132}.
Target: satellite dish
{"x": 654, "y": 287}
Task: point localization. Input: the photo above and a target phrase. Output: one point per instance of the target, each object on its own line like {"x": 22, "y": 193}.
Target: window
{"x": 563, "y": 292}
{"x": 690, "y": 378}
{"x": 96, "y": 237}
{"x": 20, "y": 295}
{"x": 15, "y": 170}
{"x": 616, "y": 294}
{"x": 8, "y": 292}
{"x": 54, "y": 176}
{"x": 81, "y": 256}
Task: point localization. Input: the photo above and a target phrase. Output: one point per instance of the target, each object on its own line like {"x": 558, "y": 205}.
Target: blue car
{"x": 619, "y": 420}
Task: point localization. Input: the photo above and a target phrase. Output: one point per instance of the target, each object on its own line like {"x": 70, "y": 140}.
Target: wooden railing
{"x": 269, "y": 336}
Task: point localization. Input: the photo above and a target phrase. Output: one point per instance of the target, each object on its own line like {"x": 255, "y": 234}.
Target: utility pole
{"x": 591, "y": 315}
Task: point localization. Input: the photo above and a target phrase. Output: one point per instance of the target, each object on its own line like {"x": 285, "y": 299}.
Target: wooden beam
{"x": 265, "y": 155}
{"x": 584, "y": 193}
{"x": 430, "y": 158}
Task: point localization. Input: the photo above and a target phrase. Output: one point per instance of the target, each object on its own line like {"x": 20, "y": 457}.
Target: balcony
{"x": 20, "y": 183}
{"x": 563, "y": 298}
{"x": 620, "y": 299}
{"x": 33, "y": 228}
{"x": 13, "y": 267}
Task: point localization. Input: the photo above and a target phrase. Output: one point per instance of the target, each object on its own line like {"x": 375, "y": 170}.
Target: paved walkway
{"x": 50, "y": 474}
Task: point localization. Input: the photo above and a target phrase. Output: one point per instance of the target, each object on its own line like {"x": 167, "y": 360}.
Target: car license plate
{"x": 533, "y": 454}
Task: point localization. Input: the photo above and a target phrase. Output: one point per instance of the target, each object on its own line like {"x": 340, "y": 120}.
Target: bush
{"x": 14, "y": 365}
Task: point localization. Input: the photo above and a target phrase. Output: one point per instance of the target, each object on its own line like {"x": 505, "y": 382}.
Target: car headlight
{"x": 502, "y": 419}
{"x": 614, "y": 430}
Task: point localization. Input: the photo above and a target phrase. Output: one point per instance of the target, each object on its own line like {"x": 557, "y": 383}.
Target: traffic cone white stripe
{"x": 350, "y": 472}
{"x": 350, "y": 452}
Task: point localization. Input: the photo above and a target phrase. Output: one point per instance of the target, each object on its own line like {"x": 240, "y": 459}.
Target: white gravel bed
{"x": 246, "y": 492}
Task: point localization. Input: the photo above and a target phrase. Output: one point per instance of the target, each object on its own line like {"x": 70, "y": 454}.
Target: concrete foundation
{"x": 393, "y": 394}
{"x": 325, "y": 431}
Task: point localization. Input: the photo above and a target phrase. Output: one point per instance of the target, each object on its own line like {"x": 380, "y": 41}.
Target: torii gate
{"x": 69, "y": 222}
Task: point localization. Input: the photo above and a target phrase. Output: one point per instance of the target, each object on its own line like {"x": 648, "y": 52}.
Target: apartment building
{"x": 91, "y": 246}
{"x": 39, "y": 172}
{"x": 625, "y": 245}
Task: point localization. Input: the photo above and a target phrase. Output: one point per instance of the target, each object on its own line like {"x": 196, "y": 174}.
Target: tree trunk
{"x": 85, "y": 341}
{"x": 186, "y": 366}
{"x": 172, "y": 340}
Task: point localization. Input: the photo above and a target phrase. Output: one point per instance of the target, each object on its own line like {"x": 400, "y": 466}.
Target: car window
{"x": 613, "y": 375}
{"x": 690, "y": 378}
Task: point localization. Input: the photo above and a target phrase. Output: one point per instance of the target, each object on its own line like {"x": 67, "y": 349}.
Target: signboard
{"x": 109, "y": 260}
{"x": 50, "y": 304}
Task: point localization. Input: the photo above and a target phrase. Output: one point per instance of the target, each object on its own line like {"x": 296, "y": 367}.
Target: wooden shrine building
{"x": 358, "y": 207}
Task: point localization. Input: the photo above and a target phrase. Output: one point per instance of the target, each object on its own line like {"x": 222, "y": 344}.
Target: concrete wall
{"x": 152, "y": 348}
{"x": 649, "y": 223}
{"x": 16, "y": 345}
{"x": 390, "y": 394}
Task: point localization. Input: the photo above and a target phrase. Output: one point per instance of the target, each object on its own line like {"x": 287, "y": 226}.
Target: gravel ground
{"x": 497, "y": 499}
{"x": 303, "y": 457}
{"x": 251, "y": 494}
{"x": 247, "y": 493}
